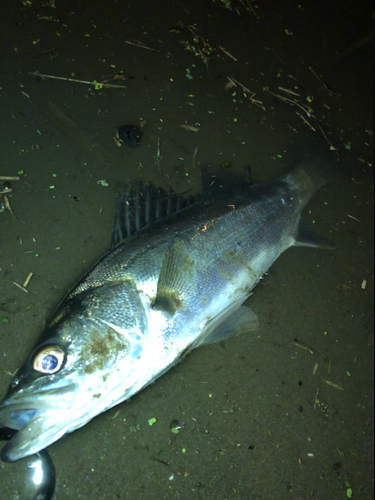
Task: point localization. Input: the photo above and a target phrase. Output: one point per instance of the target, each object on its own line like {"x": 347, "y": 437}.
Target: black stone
{"x": 130, "y": 135}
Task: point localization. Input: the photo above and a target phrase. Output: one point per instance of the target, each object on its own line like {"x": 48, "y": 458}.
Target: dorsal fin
{"x": 144, "y": 205}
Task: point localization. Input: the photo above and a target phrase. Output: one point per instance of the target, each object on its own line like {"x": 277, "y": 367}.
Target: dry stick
{"x": 194, "y": 159}
{"x": 357, "y": 45}
{"x": 332, "y": 384}
{"x": 302, "y": 345}
{"x": 252, "y": 10}
{"x": 228, "y": 54}
{"x": 7, "y": 206}
{"x": 288, "y": 91}
{"x": 330, "y": 92}
{"x": 65, "y": 79}
{"x": 304, "y": 108}
{"x": 190, "y": 128}
{"x": 316, "y": 400}
{"x": 352, "y": 217}
{"x": 307, "y": 123}
{"x": 331, "y": 146}
{"x": 236, "y": 82}
{"x": 204, "y": 59}
{"x": 256, "y": 101}
{"x": 20, "y": 287}
{"x": 8, "y": 178}
{"x": 245, "y": 89}
{"x": 141, "y": 45}
{"x": 192, "y": 29}
{"x": 27, "y": 281}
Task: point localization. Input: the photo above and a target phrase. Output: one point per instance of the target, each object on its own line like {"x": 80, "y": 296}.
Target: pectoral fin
{"x": 176, "y": 279}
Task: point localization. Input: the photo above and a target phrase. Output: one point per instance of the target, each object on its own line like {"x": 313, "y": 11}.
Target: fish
{"x": 175, "y": 278}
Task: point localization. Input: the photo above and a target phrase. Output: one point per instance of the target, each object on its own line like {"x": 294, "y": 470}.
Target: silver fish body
{"x": 173, "y": 286}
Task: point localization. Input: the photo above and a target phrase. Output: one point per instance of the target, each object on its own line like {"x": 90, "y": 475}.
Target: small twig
{"x": 204, "y": 59}
{"x": 302, "y": 345}
{"x": 190, "y": 128}
{"x": 256, "y": 101}
{"x": 351, "y": 217}
{"x": 227, "y": 53}
{"x": 288, "y": 91}
{"x": 252, "y": 10}
{"x": 8, "y": 207}
{"x": 330, "y": 92}
{"x": 331, "y": 147}
{"x": 332, "y": 384}
{"x": 357, "y": 45}
{"x": 192, "y": 29}
{"x": 292, "y": 102}
{"x": 194, "y": 158}
{"x": 86, "y": 82}
{"x": 141, "y": 45}
{"x": 158, "y": 158}
{"x": 20, "y": 287}
{"x": 9, "y": 178}
{"x": 234, "y": 83}
{"x": 368, "y": 163}
{"x": 27, "y": 281}
{"x": 316, "y": 400}
{"x": 299, "y": 83}
{"x": 329, "y": 366}
{"x": 304, "y": 119}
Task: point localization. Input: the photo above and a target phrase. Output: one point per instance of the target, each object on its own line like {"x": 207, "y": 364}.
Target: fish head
{"x": 80, "y": 368}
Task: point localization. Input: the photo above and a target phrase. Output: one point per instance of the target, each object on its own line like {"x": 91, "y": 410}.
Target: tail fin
{"x": 308, "y": 175}
{"x": 311, "y": 173}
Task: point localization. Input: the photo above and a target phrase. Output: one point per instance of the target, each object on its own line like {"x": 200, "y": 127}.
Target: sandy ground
{"x": 254, "y": 425}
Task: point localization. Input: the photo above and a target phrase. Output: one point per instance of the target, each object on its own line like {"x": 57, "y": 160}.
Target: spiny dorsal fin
{"x": 144, "y": 205}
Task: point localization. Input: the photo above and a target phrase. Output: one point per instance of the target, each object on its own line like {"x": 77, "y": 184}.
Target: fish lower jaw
{"x": 39, "y": 433}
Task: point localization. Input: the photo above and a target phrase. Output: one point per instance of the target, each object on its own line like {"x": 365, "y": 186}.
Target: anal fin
{"x": 242, "y": 320}
{"x": 306, "y": 237}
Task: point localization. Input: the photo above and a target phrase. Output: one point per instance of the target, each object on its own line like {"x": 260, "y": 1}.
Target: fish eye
{"x": 49, "y": 359}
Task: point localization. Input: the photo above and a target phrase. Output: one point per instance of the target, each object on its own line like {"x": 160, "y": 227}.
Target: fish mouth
{"x": 39, "y": 420}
